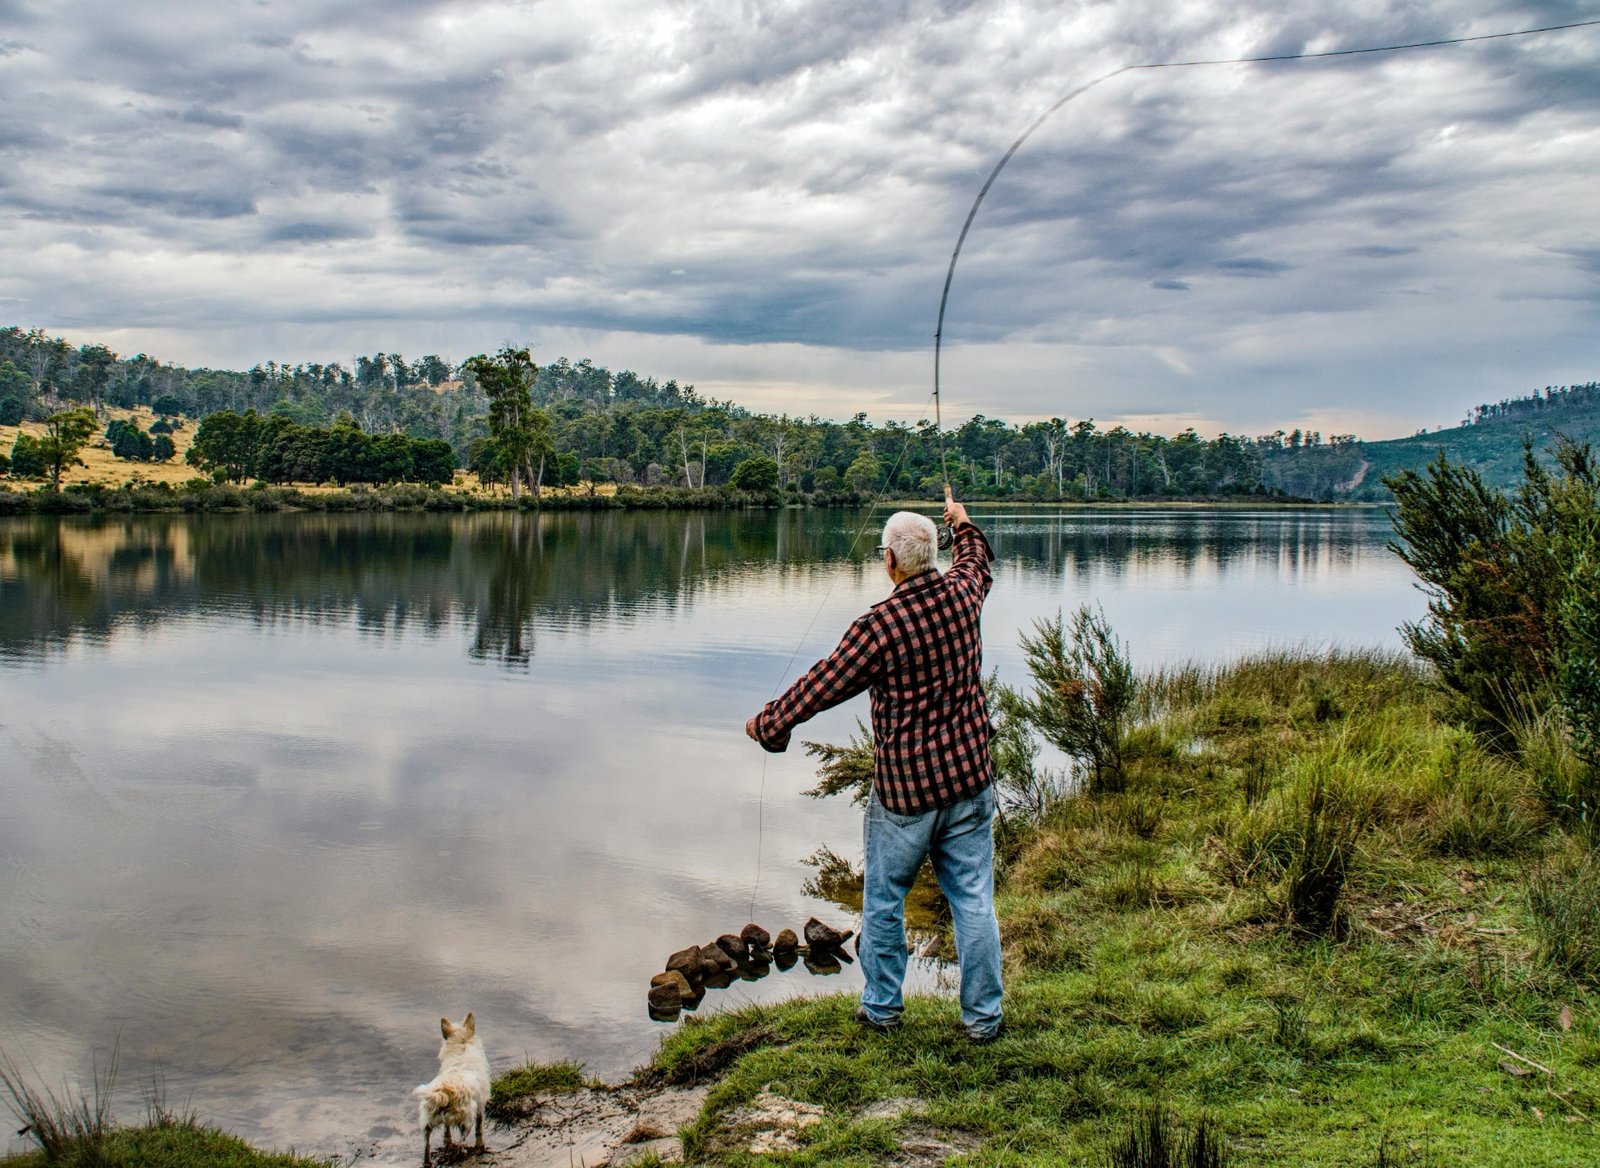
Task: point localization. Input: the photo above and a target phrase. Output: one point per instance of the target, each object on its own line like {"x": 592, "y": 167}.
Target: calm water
{"x": 278, "y": 792}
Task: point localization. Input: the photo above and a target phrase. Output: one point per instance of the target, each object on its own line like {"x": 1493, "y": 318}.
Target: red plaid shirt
{"x": 920, "y": 654}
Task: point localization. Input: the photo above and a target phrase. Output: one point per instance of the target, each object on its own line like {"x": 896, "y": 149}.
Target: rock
{"x": 713, "y": 955}
{"x": 786, "y": 942}
{"x": 821, "y": 936}
{"x": 720, "y": 980}
{"x": 666, "y": 997}
{"x": 674, "y": 977}
{"x": 755, "y": 938}
{"x": 687, "y": 962}
{"x": 733, "y": 946}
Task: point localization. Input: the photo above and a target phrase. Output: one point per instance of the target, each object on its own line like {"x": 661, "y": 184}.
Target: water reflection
{"x": 67, "y": 581}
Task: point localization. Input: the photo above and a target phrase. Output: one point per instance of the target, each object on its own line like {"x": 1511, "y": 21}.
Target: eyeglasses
{"x": 881, "y": 548}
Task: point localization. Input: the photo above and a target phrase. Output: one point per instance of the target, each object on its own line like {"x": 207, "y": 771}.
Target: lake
{"x": 280, "y": 791}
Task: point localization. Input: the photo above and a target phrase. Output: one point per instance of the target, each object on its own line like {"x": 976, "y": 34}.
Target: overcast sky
{"x": 762, "y": 198}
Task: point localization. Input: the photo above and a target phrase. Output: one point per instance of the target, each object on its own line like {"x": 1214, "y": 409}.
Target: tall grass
{"x": 1154, "y": 1140}
{"x": 72, "y": 1126}
{"x": 1564, "y": 898}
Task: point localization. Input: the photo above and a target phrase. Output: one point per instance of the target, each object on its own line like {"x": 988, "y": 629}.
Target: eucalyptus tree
{"x": 520, "y": 432}
{"x": 65, "y": 435}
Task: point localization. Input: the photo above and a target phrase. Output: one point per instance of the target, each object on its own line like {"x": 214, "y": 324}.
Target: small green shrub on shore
{"x": 513, "y": 1091}
{"x": 1083, "y": 694}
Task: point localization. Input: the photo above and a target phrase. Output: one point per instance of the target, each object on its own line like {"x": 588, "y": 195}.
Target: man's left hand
{"x": 750, "y": 729}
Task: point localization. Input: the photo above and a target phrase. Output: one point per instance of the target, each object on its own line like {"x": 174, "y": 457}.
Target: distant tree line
{"x": 1554, "y": 397}
{"x": 526, "y": 425}
{"x": 275, "y": 449}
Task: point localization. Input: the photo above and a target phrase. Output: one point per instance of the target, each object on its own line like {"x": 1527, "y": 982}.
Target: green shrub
{"x": 27, "y": 458}
{"x": 1083, "y": 695}
{"x": 755, "y": 474}
{"x": 1579, "y": 668}
{"x": 1498, "y": 570}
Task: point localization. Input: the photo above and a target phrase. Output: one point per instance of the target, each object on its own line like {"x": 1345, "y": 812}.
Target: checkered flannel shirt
{"x": 919, "y": 653}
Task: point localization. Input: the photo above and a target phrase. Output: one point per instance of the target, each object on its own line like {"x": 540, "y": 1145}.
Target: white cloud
{"x": 770, "y": 194}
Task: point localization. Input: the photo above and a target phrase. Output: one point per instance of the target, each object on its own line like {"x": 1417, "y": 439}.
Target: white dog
{"x": 459, "y": 1093}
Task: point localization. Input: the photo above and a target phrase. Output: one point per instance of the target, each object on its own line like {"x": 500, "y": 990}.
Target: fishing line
{"x": 872, "y": 508}
{"x": 938, "y": 332}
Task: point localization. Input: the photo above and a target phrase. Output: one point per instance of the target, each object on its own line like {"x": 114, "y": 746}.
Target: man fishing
{"x": 920, "y": 654}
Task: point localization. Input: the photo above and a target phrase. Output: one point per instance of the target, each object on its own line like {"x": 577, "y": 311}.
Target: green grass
{"x": 166, "y": 1142}
{"x": 511, "y": 1092}
{"x": 1153, "y": 958}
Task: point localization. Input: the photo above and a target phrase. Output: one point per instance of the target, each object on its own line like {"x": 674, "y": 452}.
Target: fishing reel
{"x": 947, "y": 537}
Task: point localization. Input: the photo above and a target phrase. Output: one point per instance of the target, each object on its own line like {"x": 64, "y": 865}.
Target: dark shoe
{"x": 985, "y": 1037}
{"x": 865, "y": 1019}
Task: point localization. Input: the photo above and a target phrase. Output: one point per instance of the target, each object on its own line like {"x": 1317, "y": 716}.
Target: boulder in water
{"x": 755, "y": 938}
{"x": 821, "y": 936}
{"x": 786, "y": 943}
{"x": 687, "y": 962}
{"x": 675, "y": 978}
{"x": 665, "y": 998}
{"x": 733, "y": 946}
{"x": 713, "y": 956}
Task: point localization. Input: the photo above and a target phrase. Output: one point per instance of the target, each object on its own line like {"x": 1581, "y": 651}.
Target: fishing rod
{"x": 949, "y": 276}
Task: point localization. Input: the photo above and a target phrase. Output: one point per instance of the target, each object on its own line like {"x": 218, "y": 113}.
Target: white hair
{"x": 913, "y": 539}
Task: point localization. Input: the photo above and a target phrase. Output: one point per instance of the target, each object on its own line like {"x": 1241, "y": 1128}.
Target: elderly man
{"x": 920, "y": 654}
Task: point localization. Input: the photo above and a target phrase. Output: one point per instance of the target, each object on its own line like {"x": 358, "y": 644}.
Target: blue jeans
{"x": 959, "y": 839}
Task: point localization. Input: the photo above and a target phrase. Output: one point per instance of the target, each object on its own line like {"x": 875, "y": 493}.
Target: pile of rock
{"x": 747, "y": 956}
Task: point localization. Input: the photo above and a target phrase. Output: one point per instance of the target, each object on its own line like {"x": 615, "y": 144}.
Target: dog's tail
{"x": 435, "y": 1098}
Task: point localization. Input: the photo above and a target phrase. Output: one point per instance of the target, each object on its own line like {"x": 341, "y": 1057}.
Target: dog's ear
{"x": 445, "y": 1027}
{"x": 470, "y": 1025}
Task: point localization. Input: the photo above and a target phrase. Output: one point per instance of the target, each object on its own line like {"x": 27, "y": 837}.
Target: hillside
{"x": 1494, "y": 446}
{"x": 1491, "y": 442}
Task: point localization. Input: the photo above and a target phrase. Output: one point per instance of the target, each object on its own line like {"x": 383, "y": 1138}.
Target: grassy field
{"x": 1153, "y": 958}
{"x": 103, "y": 467}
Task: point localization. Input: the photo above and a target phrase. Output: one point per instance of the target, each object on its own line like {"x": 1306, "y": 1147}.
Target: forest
{"x": 384, "y": 418}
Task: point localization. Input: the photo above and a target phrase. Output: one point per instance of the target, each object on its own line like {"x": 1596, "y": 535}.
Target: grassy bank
{"x": 1162, "y": 950}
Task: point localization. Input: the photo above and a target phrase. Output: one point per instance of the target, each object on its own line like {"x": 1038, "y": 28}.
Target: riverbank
{"x": 1163, "y": 952}
{"x": 201, "y": 496}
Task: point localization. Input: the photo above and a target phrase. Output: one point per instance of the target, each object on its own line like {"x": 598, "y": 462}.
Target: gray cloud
{"x": 796, "y": 176}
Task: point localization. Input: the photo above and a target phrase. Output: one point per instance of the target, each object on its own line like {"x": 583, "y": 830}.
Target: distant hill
{"x": 1490, "y": 441}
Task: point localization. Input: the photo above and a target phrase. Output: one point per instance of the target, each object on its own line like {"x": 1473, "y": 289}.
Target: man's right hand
{"x": 954, "y": 513}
